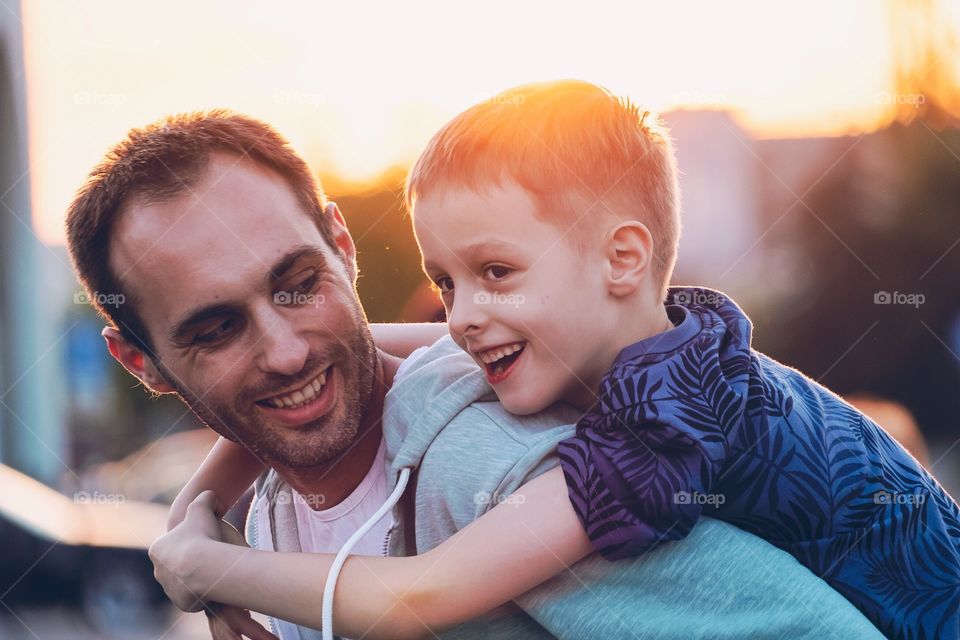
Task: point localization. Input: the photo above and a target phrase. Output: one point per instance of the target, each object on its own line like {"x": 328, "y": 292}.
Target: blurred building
{"x": 32, "y": 432}
{"x": 739, "y": 197}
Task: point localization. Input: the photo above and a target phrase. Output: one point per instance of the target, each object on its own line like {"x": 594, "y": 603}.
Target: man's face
{"x": 254, "y": 317}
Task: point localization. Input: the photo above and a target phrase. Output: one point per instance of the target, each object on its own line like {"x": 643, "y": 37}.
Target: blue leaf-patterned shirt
{"x": 695, "y": 421}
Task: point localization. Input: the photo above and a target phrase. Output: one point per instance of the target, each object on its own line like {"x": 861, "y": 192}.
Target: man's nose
{"x": 282, "y": 349}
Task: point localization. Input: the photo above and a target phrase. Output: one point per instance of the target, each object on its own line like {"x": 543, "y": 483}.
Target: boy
{"x": 549, "y": 223}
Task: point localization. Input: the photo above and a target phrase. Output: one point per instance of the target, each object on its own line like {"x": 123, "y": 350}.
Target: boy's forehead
{"x": 462, "y": 217}
{"x": 452, "y": 193}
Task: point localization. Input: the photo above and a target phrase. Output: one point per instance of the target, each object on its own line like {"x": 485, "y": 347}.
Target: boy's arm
{"x": 228, "y": 470}
{"x": 402, "y": 339}
{"x": 529, "y": 537}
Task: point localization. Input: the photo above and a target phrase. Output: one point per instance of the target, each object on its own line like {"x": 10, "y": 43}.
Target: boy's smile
{"x": 516, "y": 290}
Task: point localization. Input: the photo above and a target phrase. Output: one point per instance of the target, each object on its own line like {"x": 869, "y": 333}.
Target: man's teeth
{"x": 301, "y": 396}
{"x": 492, "y": 355}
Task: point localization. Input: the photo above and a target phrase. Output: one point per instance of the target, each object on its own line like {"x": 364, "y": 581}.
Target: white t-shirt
{"x": 326, "y": 530}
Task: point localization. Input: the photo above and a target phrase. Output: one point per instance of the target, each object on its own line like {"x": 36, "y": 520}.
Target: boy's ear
{"x": 343, "y": 240}
{"x": 629, "y": 255}
{"x": 134, "y": 361}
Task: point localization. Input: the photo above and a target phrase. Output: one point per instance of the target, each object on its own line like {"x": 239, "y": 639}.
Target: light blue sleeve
{"x": 719, "y": 582}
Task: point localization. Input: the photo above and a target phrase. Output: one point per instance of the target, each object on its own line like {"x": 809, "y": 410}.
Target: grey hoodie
{"x": 442, "y": 420}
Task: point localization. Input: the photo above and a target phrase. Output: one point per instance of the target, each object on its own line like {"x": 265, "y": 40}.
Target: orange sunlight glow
{"x": 359, "y": 88}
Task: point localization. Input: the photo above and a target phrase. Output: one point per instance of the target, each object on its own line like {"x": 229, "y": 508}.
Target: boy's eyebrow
{"x": 178, "y": 333}
{"x": 476, "y": 248}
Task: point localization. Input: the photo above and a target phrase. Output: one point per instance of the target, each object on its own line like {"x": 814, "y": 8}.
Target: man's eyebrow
{"x": 178, "y": 333}
{"x": 289, "y": 259}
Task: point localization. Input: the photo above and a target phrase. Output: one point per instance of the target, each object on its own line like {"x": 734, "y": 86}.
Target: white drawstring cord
{"x": 326, "y": 614}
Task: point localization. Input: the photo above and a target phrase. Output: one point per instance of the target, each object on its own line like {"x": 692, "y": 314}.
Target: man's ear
{"x": 343, "y": 240}
{"x": 629, "y": 254}
{"x": 134, "y": 361}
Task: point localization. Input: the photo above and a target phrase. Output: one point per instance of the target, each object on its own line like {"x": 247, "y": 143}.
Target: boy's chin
{"x": 523, "y": 406}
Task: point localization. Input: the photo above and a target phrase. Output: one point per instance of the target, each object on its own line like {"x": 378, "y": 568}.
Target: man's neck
{"x": 330, "y": 484}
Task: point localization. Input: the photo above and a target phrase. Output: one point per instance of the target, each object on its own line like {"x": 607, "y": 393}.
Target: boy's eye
{"x": 497, "y": 271}
{"x": 444, "y": 284}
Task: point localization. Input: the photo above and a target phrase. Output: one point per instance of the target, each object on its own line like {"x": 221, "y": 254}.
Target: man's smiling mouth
{"x": 298, "y": 397}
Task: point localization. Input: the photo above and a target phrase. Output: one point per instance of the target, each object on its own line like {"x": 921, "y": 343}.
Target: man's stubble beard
{"x": 311, "y": 445}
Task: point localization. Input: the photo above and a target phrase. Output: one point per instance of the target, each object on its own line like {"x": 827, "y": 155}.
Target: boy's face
{"x": 520, "y": 298}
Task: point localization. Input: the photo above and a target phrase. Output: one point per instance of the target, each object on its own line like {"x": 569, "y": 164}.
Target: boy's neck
{"x": 642, "y": 324}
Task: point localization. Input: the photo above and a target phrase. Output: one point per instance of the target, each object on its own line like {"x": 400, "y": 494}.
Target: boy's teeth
{"x": 301, "y": 396}
{"x": 493, "y": 355}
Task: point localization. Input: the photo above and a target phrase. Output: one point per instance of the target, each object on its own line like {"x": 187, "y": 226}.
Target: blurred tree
{"x": 388, "y": 256}
{"x": 925, "y": 62}
{"x": 887, "y": 219}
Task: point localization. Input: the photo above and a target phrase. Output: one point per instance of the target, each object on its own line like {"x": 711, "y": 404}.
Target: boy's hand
{"x": 233, "y": 623}
{"x": 178, "y": 556}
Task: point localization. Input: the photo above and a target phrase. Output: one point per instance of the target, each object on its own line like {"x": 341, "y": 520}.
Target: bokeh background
{"x": 820, "y": 161}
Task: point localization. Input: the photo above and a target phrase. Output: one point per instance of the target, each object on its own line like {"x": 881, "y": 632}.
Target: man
{"x": 203, "y": 222}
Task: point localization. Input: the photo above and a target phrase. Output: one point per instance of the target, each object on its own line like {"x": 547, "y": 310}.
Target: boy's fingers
{"x": 231, "y": 535}
{"x": 208, "y": 500}
{"x": 233, "y": 623}
{"x": 254, "y": 630}
{"x": 220, "y": 631}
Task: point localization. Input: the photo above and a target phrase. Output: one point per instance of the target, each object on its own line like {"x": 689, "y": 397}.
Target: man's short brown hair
{"x": 159, "y": 162}
{"x": 581, "y": 152}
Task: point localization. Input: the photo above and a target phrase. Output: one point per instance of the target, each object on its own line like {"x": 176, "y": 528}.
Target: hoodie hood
{"x": 434, "y": 385}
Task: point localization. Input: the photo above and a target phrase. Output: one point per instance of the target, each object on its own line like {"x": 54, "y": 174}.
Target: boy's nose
{"x": 467, "y": 315}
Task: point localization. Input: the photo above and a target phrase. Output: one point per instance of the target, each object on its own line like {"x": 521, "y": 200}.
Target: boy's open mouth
{"x": 498, "y": 361}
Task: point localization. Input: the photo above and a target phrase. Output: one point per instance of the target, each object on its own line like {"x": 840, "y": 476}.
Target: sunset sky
{"x": 359, "y": 87}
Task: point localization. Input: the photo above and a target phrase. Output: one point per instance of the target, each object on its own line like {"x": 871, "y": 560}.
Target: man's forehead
{"x": 222, "y": 234}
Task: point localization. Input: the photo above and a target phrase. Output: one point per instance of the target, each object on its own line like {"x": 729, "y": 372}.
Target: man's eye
{"x": 216, "y": 334}
{"x": 444, "y": 284}
{"x": 306, "y": 285}
{"x": 497, "y": 271}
